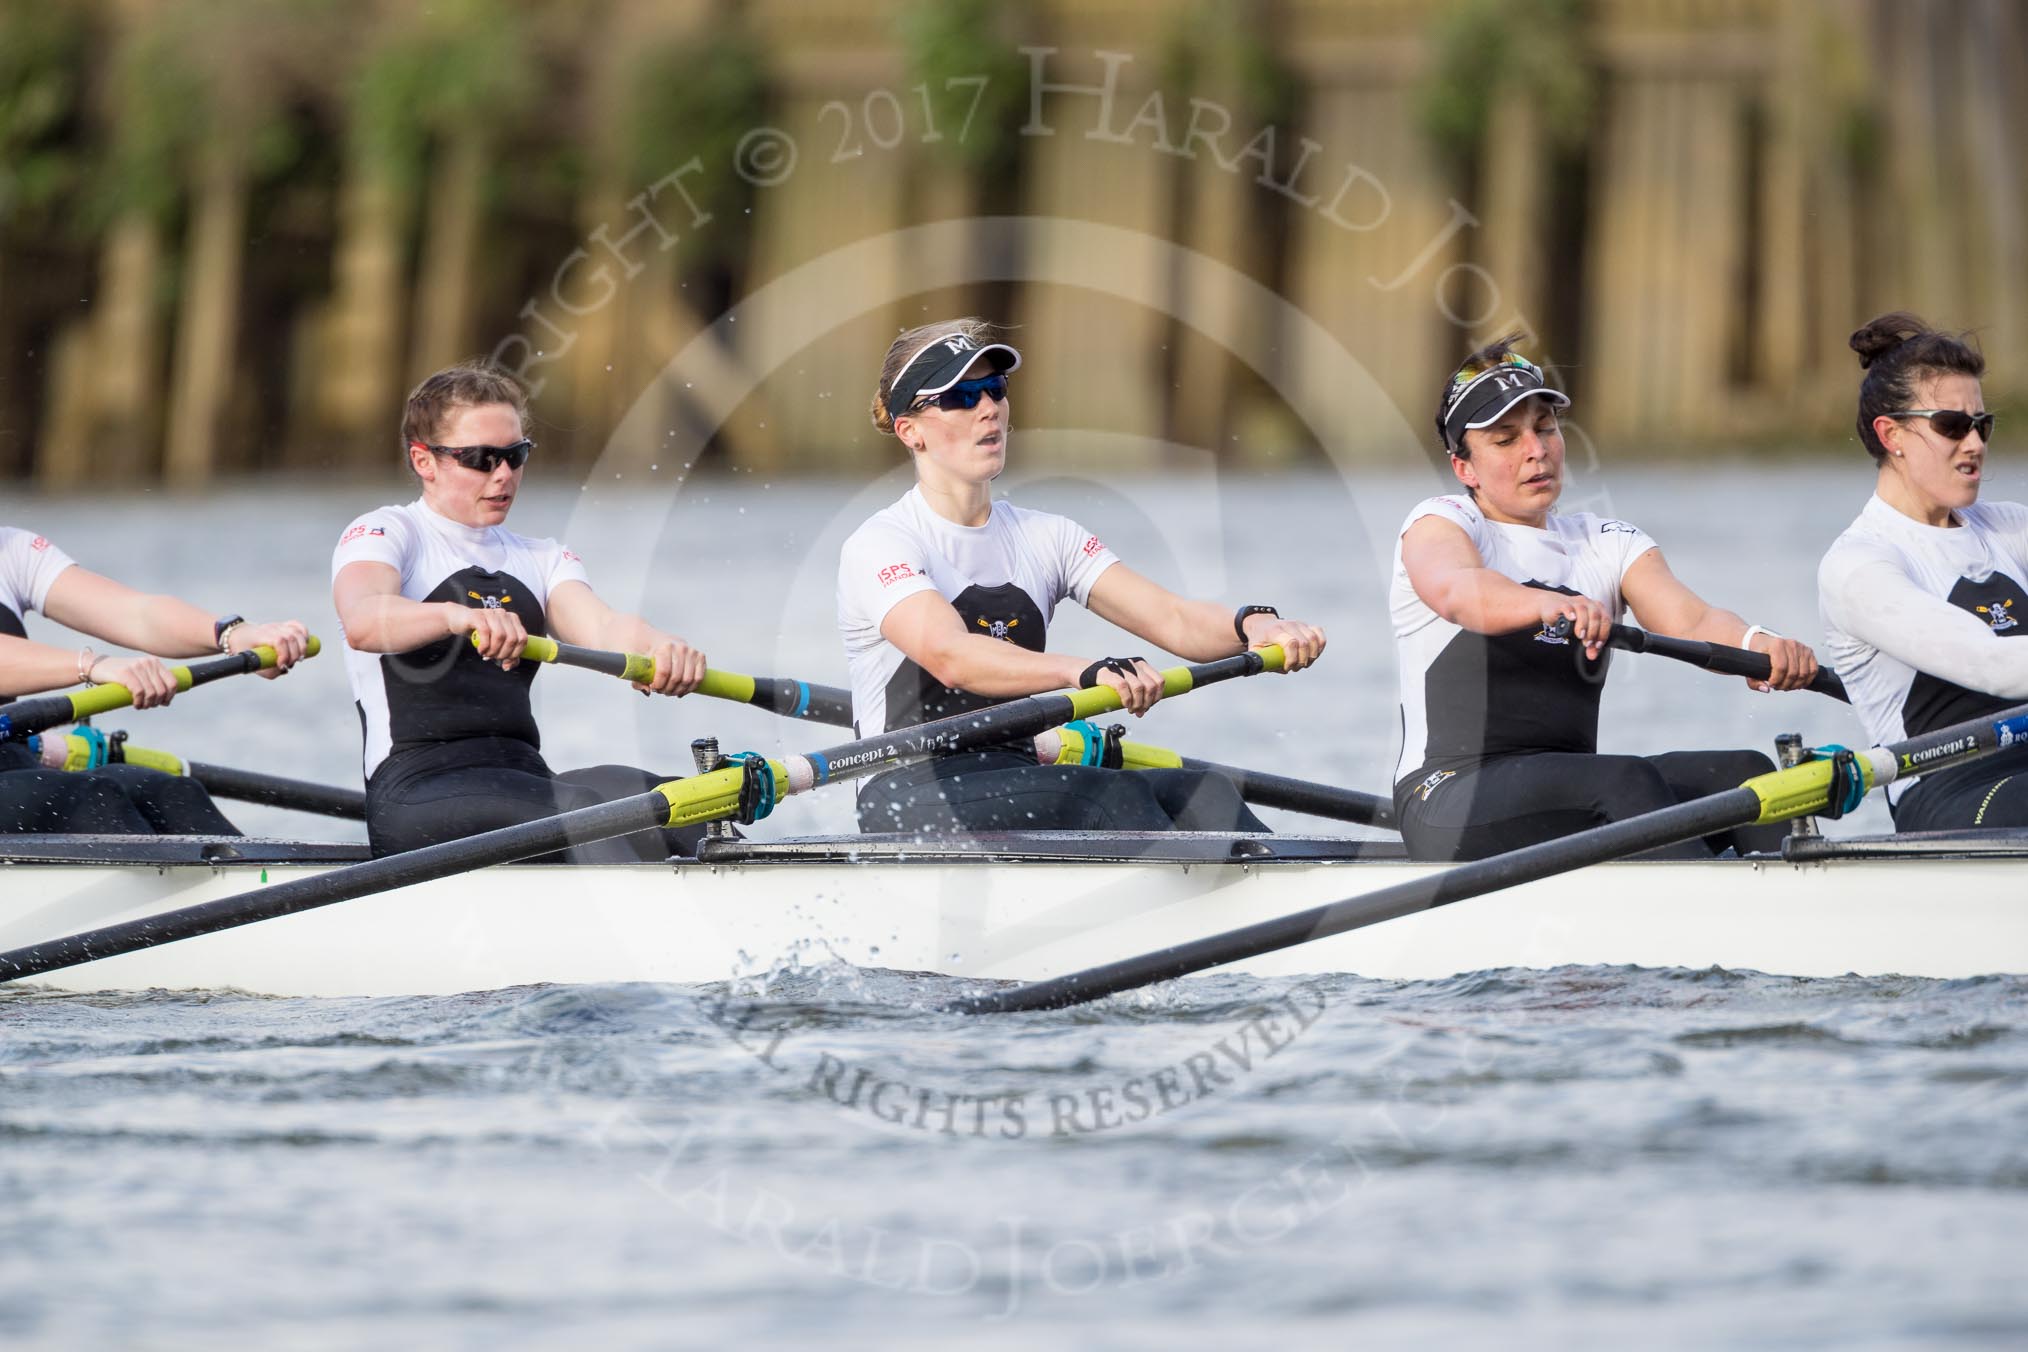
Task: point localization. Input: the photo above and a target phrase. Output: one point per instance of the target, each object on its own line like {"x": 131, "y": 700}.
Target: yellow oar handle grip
{"x": 1801, "y": 790}
{"x": 727, "y": 685}
{"x": 636, "y": 667}
{"x": 1070, "y": 750}
{"x": 710, "y": 797}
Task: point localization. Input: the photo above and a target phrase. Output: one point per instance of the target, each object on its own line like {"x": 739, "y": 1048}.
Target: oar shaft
{"x": 707, "y": 797}
{"x": 603, "y": 821}
{"x": 1717, "y": 657}
{"x": 1301, "y": 795}
{"x": 223, "y": 781}
{"x": 791, "y": 699}
{"x": 1794, "y": 792}
{"x": 252, "y": 786}
{"x": 1687, "y": 821}
{"x": 28, "y": 716}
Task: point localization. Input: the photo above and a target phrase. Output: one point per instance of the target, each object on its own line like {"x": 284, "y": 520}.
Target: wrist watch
{"x": 1239, "y": 619}
{"x": 220, "y": 628}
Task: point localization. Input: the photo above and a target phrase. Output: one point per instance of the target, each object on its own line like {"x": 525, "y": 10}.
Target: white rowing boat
{"x": 1016, "y": 907}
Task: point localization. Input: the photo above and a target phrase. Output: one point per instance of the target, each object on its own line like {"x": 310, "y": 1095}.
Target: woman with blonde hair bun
{"x": 944, "y": 601}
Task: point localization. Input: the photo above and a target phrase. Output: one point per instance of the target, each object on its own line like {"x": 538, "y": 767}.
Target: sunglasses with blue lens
{"x": 966, "y": 393}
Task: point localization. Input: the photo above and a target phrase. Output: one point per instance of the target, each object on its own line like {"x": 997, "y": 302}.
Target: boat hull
{"x": 1014, "y": 917}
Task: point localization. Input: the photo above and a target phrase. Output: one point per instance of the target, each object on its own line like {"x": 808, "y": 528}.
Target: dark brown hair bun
{"x": 1877, "y": 337}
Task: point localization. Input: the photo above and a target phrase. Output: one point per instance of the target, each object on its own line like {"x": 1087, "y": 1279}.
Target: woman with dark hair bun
{"x": 1502, "y": 606}
{"x": 1922, "y": 592}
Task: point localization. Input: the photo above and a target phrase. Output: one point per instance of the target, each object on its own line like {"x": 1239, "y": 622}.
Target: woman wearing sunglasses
{"x": 437, "y": 598}
{"x": 1923, "y": 594}
{"x": 36, "y": 793}
{"x": 944, "y": 600}
{"x": 1501, "y": 609}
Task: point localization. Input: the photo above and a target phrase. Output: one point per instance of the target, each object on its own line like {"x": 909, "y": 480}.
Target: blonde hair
{"x": 913, "y": 341}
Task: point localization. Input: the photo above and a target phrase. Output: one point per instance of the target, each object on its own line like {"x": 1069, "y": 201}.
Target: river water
{"x": 1585, "y": 1157}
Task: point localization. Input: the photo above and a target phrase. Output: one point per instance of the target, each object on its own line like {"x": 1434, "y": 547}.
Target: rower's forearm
{"x": 991, "y": 666}
{"x": 389, "y": 623}
{"x": 626, "y": 633}
{"x": 1718, "y": 626}
{"x": 1199, "y": 631}
{"x": 1486, "y": 602}
{"x": 31, "y": 668}
{"x": 164, "y": 626}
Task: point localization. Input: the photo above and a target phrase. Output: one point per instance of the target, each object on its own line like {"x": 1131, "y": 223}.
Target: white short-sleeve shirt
{"x": 1465, "y": 696}
{"x": 1001, "y": 576}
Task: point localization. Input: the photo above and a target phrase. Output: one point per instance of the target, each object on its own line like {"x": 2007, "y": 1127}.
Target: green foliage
{"x": 455, "y": 64}
{"x": 694, "y": 99}
{"x": 1220, "y": 51}
{"x": 197, "y": 76}
{"x": 160, "y": 118}
{"x": 948, "y": 46}
{"x": 42, "y": 58}
{"x": 1482, "y": 49}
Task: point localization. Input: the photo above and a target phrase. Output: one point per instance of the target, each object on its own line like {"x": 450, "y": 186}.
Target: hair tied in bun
{"x": 1880, "y": 336}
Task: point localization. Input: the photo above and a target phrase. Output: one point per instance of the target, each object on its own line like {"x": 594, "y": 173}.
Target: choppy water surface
{"x": 1610, "y": 1155}
{"x": 1589, "y": 1157}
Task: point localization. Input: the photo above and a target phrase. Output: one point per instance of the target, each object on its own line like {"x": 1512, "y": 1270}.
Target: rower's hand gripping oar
{"x": 791, "y": 699}
{"x": 1831, "y": 785}
{"x": 828, "y": 704}
{"x": 1716, "y": 657}
{"x": 25, "y": 717}
{"x": 681, "y": 802}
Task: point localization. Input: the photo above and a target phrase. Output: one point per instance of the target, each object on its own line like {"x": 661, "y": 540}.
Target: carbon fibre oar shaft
{"x": 789, "y": 698}
{"x": 1716, "y": 657}
{"x": 1775, "y": 797}
{"x": 24, "y": 718}
{"x": 707, "y": 797}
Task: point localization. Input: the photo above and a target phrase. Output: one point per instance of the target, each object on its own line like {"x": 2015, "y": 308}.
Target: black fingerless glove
{"x": 1118, "y": 666}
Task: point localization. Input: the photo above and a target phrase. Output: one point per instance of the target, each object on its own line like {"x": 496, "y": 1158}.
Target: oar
{"x": 828, "y": 704}
{"x": 681, "y": 802}
{"x": 1716, "y": 657}
{"x": 1070, "y": 746}
{"x": 1794, "y": 792}
{"x": 224, "y": 781}
{"x": 791, "y": 699}
{"x": 26, "y": 717}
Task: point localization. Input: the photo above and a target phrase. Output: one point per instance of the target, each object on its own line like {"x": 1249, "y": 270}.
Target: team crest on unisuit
{"x": 1430, "y": 785}
{"x": 490, "y": 602}
{"x": 2000, "y": 614}
{"x": 999, "y": 628}
{"x": 1548, "y": 634}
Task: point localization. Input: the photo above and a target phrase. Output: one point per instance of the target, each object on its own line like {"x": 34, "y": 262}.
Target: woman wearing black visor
{"x": 944, "y": 600}
{"x": 1495, "y": 595}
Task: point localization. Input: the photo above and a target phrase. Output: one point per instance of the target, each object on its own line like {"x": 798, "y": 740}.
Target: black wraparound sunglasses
{"x": 483, "y": 458}
{"x": 1952, "y": 424}
{"x": 966, "y": 394}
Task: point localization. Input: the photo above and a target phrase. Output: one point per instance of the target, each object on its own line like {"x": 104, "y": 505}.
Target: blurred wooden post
{"x": 207, "y": 327}
{"x": 446, "y": 281}
{"x": 105, "y": 411}
{"x": 358, "y": 383}
{"x": 1514, "y": 204}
